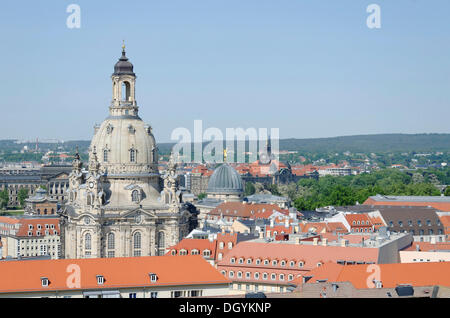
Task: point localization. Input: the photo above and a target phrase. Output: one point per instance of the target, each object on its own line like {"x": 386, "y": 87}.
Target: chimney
{"x": 261, "y": 234}
{"x": 286, "y": 223}
{"x": 315, "y": 240}
{"x": 297, "y": 240}
{"x": 272, "y": 222}
{"x": 268, "y": 233}
{"x": 417, "y": 247}
{"x": 344, "y": 243}
{"x": 324, "y": 241}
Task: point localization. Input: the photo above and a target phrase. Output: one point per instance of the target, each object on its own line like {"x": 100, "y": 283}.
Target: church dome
{"x": 125, "y": 145}
{"x": 225, "y": 180}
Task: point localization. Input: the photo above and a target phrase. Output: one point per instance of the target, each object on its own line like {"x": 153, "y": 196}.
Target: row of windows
{"x": 410, "y": 223}
{"x": 360, "y": 223}
{"x": 137, "y": 242}
{"x": 362, "y": 230}
{"x": 257, "y": 275}
{"x": 205, "y": 253}
{"x": 267, "y": 262}
{"x": 133, "y": 153}
{"x": 47, "y": 226}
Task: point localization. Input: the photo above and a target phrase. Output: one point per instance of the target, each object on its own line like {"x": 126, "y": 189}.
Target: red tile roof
{"x": 310, "y": 254}
{"x": 391, "y": 275}
{"x": 247, "y": 210}
{"x": 443, "y": 206}
{"x": 21, "y": 276}
{"x": 427, "y": 246}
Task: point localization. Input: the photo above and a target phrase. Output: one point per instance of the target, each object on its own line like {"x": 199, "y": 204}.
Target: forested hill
{"x": 360, "y": 143}
{"x": 371, "y": 143}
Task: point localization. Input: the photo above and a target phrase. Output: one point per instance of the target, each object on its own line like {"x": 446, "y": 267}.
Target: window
{"x": 300, "y": 264}
{"x": 132, "y": 155}
{"x": 247, "y": 275}
{"x": 430, "y": 232}
{"x": 400, "y": 223}
{"x": 256, "y": 275}
{"x": 44, "y": 281}
{"x": 273, "y": 276}
{"x": 249, "y": 261}
{"x": 206, "y": 253}
{"x": 87, "y": 241}
{"x": 230, "y": 245}
{"x": 410, "y": 223}
{"x": 283, "y": 263}
{"x": 111, "y": 254}
{"x": 176, "y": 294}
{"x": 419, "y": 223}
{"x": 100, "y": 279}
{"x": 135, "y": 196}
{"x": 258, "y": 261}
{"x": 232, "y": 260}
{"x": 290, "y": 277}
{"x": 281, "y": 277}
{"x": 274, "y": 263}
{"x": 292, "y": 263}
{"x": 231, "y": 274}
{"x": 154, "y": 295}
{"x": 194, "y": 252}
{"x": 132, "y": 295}
{"x": 266, "y": 262}
{"x": 111, "y": 243}
{"x": 239, "y": 274}
{"x": 105, "y": 155}
{"x": 428, "y": 222}
{"x": 265, "y": 275}
{"x": 221, "y": 245}
{"x": 153, "y": 277}
{"x": 241, "y": 261}
{"x": 137, "y": 240}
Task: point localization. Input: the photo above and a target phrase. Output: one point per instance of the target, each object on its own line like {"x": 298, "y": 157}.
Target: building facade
{"x": 120, "y": 206}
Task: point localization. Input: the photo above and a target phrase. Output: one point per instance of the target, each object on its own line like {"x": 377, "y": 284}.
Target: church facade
{"x": 120, "y": 205}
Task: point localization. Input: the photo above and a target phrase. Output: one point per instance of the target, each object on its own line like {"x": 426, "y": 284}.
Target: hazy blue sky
{"x": 310, "y": 67}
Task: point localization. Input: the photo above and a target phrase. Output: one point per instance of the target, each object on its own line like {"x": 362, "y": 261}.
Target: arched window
{"x": 87, "y": 241}
{"x": 161, "y": 243}
{"x": 137, "y": 244}
{"x": 125, "y": 91}
{"x": 111, "y": 243}
{"x": 105, "y": 155}
{"x": 135, "y": 196}
{"x": 132, "y": 155}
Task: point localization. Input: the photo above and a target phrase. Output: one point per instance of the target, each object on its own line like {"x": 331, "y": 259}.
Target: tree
{"x": 201, "y": 196}
{"x": 249, "y": 189}
{"x": 447, "y": 191}
{"x": 22, "y": 195}
{"x": 4, "y": 198}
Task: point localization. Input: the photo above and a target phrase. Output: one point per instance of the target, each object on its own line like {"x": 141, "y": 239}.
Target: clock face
{"x": 91, "y": 184}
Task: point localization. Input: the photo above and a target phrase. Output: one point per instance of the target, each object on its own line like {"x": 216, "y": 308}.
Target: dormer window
{"x": 232, "y": 260}
{"x": 131, "y": 129}
{"x": 135, "y": 196}
{"x": 153, "y": 277}
{"x": 44, "y": 281}
{"x": 30, "y": 227}
{"x": 100, "y": 279}
{"x": 132, "y": 155}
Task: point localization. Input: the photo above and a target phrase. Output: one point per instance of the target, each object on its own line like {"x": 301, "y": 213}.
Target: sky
{"x": 311, "y": 68}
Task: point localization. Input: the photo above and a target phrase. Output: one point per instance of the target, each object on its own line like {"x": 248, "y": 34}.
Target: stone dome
{"x": 225, "y": 180}
{"x": 117, "y": 137}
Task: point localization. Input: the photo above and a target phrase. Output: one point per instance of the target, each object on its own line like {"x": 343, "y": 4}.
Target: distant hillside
{"x": 371, "y": 143}
{"x": 361, "y": 143}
